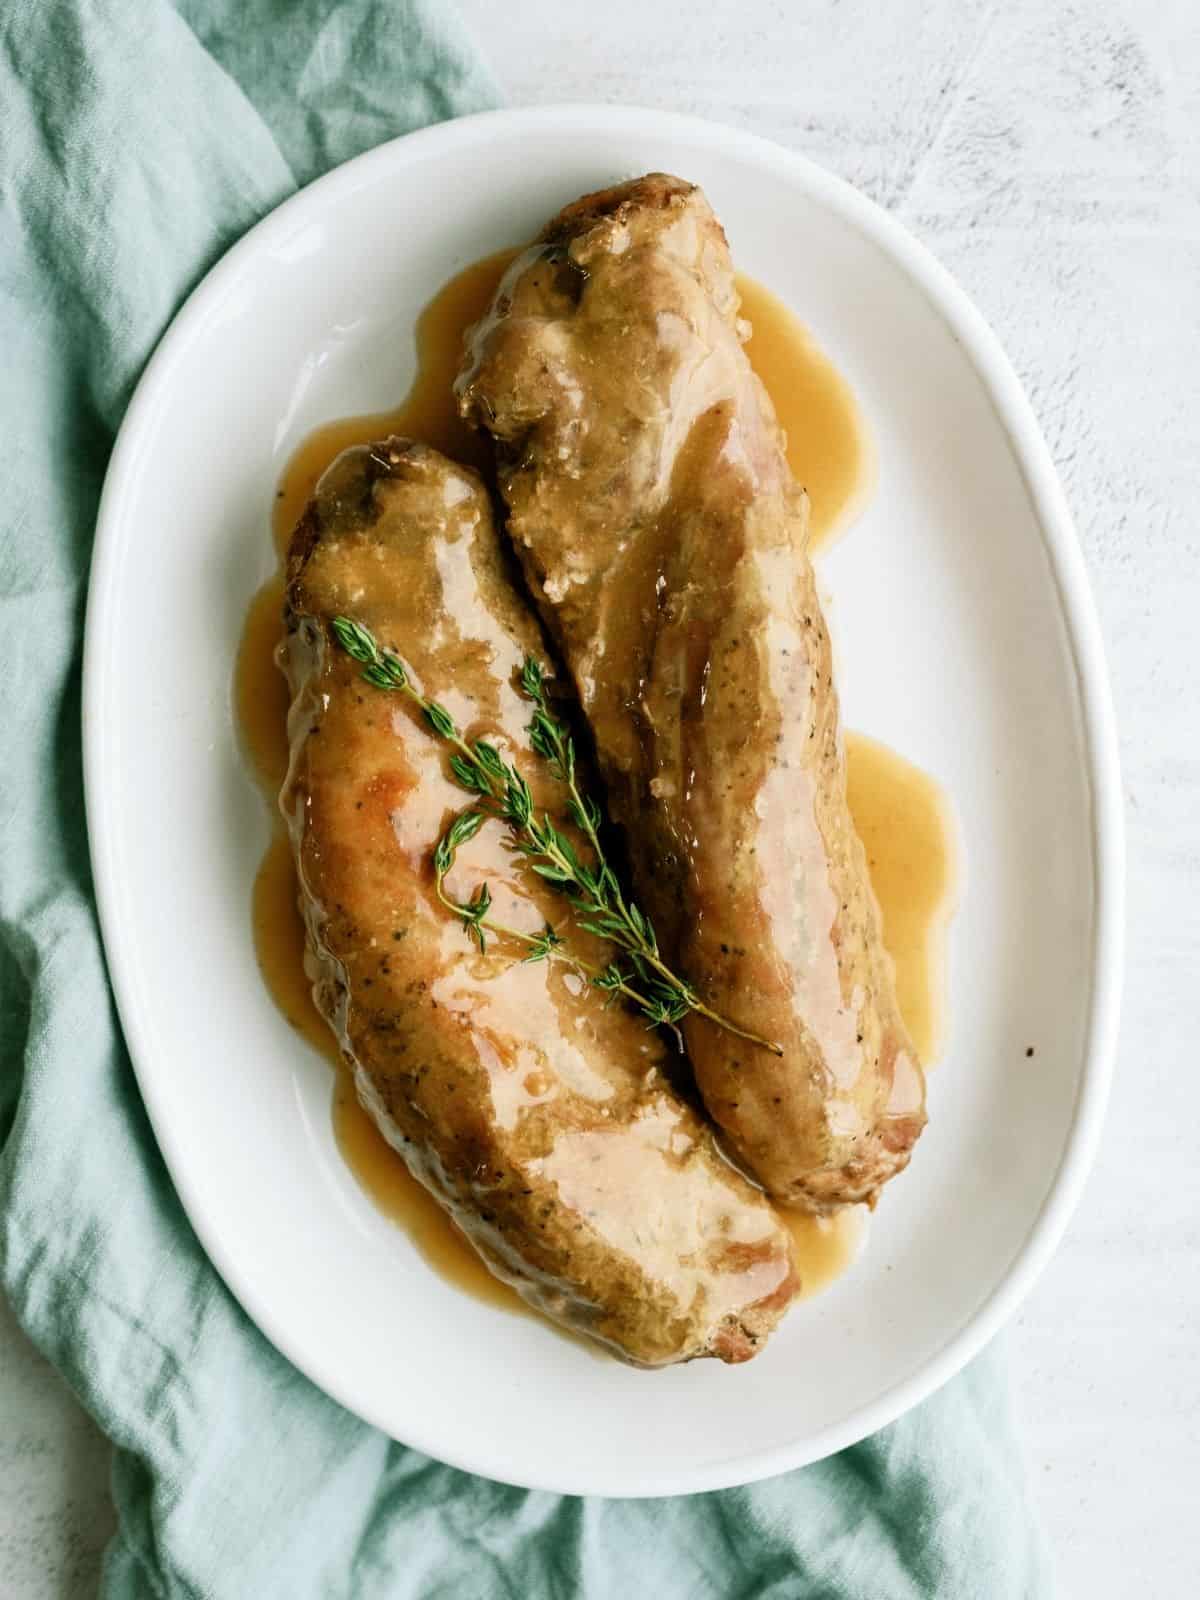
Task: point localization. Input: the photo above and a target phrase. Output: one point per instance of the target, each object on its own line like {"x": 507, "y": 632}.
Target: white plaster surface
{"x": 1049, "y": 153}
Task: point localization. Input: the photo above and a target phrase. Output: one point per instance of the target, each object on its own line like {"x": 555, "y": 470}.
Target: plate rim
{"x": 1068, "y": 574}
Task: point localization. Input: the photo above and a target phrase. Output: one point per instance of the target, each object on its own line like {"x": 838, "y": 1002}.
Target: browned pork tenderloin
{"x": 538, "y": 1116}
{"x": 663, "y": 538}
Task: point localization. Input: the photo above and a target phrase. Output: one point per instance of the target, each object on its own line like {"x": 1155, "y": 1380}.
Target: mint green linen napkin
{"x": 137, "y": 142}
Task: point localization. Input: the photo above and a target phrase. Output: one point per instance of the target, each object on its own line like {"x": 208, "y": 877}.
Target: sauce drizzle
{"x": 829, "y": 446}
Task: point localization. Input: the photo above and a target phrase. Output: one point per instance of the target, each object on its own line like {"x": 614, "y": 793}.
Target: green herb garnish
{"x": 638, "y": 973}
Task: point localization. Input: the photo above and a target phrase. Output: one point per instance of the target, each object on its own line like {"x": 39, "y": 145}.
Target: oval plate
{"x": 967, "y": 640}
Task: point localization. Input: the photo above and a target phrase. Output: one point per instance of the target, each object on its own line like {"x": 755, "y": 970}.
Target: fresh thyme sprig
{"x": 597, "y": 891}
{"x": 473, "y": 913}
{"x": 593, "y": 890}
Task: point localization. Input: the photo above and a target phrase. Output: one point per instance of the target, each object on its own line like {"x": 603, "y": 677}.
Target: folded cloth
{"x": 137, "y": 141}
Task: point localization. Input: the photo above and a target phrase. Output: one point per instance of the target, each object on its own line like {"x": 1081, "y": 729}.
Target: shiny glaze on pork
{"x": 663, "y": 538}
{"x": 537, "y": 1115}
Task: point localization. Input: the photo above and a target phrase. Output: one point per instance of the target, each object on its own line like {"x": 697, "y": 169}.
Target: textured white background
{"x": 1048, "y": 153}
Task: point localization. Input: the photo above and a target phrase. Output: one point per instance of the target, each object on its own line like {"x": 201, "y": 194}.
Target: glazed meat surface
{"x": 663, "y": 538}
{"x": 538, "y": 1116}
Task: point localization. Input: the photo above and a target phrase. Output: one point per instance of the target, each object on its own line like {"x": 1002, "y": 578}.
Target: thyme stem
{"x": 593, "y": 890}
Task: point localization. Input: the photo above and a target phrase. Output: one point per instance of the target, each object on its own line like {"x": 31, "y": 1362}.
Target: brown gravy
{"x": 904, "y": 821}
{"x": 898, "y": 809}
{"x": 383, "y": 1175}
{"x": 828, "y": 445}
